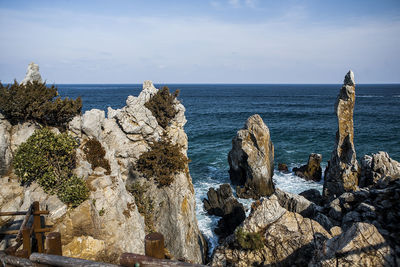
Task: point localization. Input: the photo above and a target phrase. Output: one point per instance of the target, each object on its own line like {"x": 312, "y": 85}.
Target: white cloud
{"x": 194, "y": 49}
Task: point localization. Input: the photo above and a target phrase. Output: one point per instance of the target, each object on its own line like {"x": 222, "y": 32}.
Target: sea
{"x": 300, "y": 117}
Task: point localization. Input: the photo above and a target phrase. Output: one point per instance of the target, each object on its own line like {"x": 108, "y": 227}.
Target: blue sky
{"x": 201, "y": 41}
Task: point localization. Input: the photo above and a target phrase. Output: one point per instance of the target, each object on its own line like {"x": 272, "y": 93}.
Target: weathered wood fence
{"x": 49, "y": 253}
{"x": 26, "y": 234}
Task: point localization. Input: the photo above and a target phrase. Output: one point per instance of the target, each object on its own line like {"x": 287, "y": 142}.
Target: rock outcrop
{"x": 378, "y": 168}
{"x": 361, "y": 245}
{"x": 251, "y": 160}
{"x": 282, "y": 167}
{"x": 32, "y": 74}
{"x": 312, "y": 170}
{"x": 110, "y": 218}
{"x": 343, "y": 171}
{"x": 221, "y": 202}
{"x": 287, "y": 238}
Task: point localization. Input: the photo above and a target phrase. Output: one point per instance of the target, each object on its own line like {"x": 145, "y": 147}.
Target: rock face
{"x": 110, "y": 217}
{"x": 222, "y": 203}
{"x": 32, "y": 74}
{"x": 311, "y": 171}
{"x": 251, "y": 159}
{"x": 5, "y": 148}
{"x": 343, "y": 171}
{"x": 378, "y": 168}
{"x": 361, "y": 245}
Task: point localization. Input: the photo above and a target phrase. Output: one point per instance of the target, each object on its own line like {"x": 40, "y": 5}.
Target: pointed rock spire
{"x": 343, "y": 170}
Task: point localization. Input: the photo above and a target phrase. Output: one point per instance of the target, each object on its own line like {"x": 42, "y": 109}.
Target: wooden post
{"x": 154, "y": 245}
{"x": 26, "y": 239}
{"x": 37, "y": 225}
{"x": 53, "y": 244}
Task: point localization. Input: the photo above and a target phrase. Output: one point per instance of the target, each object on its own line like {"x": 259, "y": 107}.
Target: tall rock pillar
{"x": 343, "y": 170}
{"x": 251, "y": 160}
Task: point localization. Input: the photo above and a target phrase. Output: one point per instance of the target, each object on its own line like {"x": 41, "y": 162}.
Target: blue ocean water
{"x": 301, "y": 120}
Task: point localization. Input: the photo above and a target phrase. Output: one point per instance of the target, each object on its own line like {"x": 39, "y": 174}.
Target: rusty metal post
{"x": 53, "y": 243}
{"x": 26, "y": 239}
{"x": 154, "y": 245}
{"x": 37, "y": 225}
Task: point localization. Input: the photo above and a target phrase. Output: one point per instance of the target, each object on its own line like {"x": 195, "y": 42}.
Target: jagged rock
{"x": 92, "y": 122}
{"x": 32, "y": 74}
{"x": 20, "y": 133}
{"x": 377, "y": 168}
{"x": 289, "y": 238}
{"x": 296, "y": 203}
{"x": 313, "y": 195}
{"x": 312, "y": 170}
{"x": 5, "y": 146}
{"x": 222, "y": 203}
{"x": 251, "y": 160}
{"x": 335, "y": 231}
{"x": 343, "y": 171}
{"x": 361, "y": 245}
{"x": 282, "y": 167}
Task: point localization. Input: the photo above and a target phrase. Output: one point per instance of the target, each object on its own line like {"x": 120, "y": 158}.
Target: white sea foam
{"x": 367, "y": 96}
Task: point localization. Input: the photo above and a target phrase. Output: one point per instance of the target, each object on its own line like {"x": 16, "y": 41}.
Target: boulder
{"x": 378, "y": 167}
{"x": 296, "y": 203}
{"x": 92, "y": 123}
{"x": 282, "y": 167}
{"x": 313, "y": 195}
{"x": 343, "y": 170}
{"x": 361, "y": 245}
{"x": 222, "y": 203}
{"x": 251, "y": 160}
{"x": 312, "y": 170}
{"x": 32, "y": 74}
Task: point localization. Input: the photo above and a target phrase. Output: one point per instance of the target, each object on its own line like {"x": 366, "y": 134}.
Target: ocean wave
{"x": 396, "y": 96}
{"x": 368, "y": 96}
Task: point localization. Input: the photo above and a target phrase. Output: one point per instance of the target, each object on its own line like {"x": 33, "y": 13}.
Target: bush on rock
{"x": 162, "y": 161}
{"x": 35, "y": 101}
{"x": 162, "y": 107}
{"x": 252, "y": 241}
{"x": 49, "y": 159}
{"x": 95, "y": 153}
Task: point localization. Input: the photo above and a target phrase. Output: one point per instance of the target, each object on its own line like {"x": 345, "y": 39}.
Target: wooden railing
{"x": 26, "y": 233}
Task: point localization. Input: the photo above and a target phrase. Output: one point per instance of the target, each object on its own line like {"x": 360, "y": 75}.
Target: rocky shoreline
{"x": 354, "y": 222}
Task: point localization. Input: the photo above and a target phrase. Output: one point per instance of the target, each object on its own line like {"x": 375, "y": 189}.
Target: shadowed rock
{"x": 312, "y": 170}
{"x": 251, "y": 160}
{"x": 343, "y": 171}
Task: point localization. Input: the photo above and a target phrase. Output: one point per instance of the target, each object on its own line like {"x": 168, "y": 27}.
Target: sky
{"x": 201, "y": 41}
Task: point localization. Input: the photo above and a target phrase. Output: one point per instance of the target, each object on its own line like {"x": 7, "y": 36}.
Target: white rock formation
{"x": 32, "y": 74}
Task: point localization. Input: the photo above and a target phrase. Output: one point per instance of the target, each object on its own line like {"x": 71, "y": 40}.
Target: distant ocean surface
{"x": 301, "y": 120}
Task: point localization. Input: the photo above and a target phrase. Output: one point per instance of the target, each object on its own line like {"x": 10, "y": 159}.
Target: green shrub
{"x": 144, "y": 204}
{"x": 162, "y": 161}
{"x": 49, "y": 159}
{"x": 95, "y": 153}
{"x": 161, "y": 106}
{"x": 35, "y": 101}
{"x": 73, "y": 190}
{"x": 246, "y": 240}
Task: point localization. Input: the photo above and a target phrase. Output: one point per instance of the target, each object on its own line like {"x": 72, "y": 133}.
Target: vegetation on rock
{"x": 49, "y": 159}
{"x": 162, "y": 161}
{"x": 95, "y": 153}
{"x": 35, "y": 101}
{"x": 251, "y": 241}
{"x": 162, "y": 107}
{"x": 144, "y": 204}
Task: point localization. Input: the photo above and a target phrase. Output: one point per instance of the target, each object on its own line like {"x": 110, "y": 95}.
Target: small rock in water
{"x": 282, "y": 167}
{"x": 312, "y": 170}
